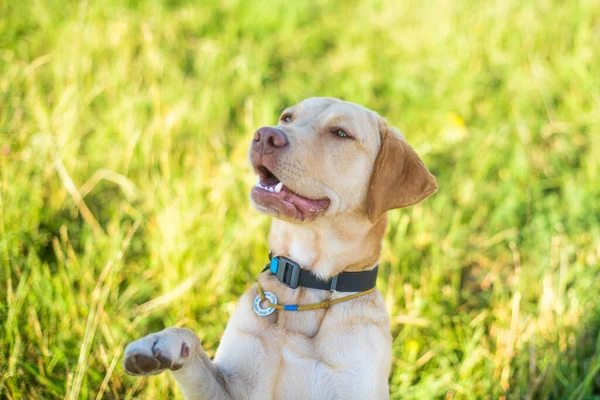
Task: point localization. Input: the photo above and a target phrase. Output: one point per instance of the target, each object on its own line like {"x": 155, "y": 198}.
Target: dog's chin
{"x": 287, "y": 205}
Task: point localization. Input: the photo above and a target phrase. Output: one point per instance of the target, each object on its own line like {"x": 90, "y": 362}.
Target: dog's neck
{"x": 329, "y": 246}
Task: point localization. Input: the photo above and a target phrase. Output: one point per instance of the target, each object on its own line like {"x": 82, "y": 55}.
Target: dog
{"x": 313, "y": 326}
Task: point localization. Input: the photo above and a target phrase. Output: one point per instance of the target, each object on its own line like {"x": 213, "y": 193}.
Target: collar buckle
{"x": 287, "y": 271}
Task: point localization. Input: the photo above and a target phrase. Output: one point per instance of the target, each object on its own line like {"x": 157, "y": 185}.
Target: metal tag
{"x": 263, "y": 312}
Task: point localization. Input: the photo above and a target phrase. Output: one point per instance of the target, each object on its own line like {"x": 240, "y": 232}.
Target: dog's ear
{"x": 399, "y": 178}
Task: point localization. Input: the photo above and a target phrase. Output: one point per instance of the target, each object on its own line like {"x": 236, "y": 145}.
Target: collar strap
{"x": 290, "y": 273}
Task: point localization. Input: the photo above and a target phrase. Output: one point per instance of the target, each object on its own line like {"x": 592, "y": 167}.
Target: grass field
{"x": 124, "y": 182}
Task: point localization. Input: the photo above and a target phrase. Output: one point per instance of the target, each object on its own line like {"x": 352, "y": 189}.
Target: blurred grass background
{"x": 124, "y": 183}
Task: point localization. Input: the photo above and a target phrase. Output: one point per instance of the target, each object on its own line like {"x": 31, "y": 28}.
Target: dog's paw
{"x": 167, "y": 349}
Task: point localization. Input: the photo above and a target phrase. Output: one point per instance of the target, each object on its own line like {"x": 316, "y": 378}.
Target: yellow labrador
{"x": 328, "y": 172}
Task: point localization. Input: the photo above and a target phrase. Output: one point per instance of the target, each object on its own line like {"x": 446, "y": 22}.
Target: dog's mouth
{"x": 272, "y": 196}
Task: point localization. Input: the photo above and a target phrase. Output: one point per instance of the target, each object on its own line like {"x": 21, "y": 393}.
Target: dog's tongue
{"x": 271, "y": 193}
{"x": 287, "y": 204}
{"x": 307, "y": 206}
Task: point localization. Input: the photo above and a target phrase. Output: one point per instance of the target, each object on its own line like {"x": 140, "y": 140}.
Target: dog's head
{"x": 327, "y": 157}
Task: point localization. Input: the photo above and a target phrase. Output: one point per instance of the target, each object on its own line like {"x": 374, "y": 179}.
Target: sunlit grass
{"x": 124, "y": 181}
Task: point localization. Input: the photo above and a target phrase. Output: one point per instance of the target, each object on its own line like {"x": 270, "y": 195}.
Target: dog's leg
{"x": 178, "y": 350}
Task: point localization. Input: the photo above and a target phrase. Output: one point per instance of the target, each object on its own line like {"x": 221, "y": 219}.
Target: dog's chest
{"x": 285, "y": 355}
{"x": 305, "y": 372}
{"x": 295, "y": 366}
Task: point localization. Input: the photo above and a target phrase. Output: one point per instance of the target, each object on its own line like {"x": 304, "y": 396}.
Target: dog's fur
{"x": 343, "y": 352}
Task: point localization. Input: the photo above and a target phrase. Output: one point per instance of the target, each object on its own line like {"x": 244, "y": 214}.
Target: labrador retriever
{"x": 327, "y": 172}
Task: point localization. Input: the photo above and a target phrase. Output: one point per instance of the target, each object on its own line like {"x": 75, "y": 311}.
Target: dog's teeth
{"x": 271, "y": 189}
{"x": 278, "y": 187}
{"x": 257, "y": 180}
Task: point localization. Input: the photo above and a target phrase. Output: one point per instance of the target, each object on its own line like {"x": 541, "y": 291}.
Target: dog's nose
{"x": 268, "y": 136}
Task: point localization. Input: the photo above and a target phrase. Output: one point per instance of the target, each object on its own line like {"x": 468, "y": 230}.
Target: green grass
{"x": 124, "y": 182}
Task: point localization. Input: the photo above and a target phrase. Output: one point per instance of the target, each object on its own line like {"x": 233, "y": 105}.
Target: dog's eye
{"x": 340, "y": 133}
{"x": 286, "y": 118}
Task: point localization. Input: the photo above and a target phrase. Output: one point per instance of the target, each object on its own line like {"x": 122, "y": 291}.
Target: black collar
{"x": 292, "y": 275}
